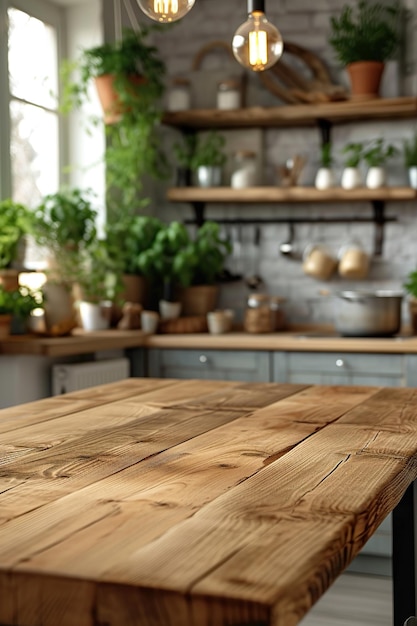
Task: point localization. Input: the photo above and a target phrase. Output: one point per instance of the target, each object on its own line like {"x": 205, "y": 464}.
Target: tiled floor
{"x": 354, "y": 600}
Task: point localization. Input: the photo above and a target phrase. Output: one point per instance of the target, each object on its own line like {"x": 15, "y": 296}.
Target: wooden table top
{"x": 196, "y": 503}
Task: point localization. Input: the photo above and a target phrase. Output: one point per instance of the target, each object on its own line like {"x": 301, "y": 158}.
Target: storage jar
{"x": 179, "y": 95}
{"x": 244, "y": 174}
{"x": 229, "y": 95}
{"x": 258, "y": 315}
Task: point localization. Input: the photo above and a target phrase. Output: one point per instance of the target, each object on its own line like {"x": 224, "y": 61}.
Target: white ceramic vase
{"x": 95, "y": 316}
{"x": 169, "y": 310}
{"x": 376, "y": 177}
{"x": 325, "y": 178}
{"x": 412, "y": 176}
{"x": 351, "y": 178}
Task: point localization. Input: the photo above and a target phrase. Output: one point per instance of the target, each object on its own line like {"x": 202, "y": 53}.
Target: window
{"x": 30, "y": 133}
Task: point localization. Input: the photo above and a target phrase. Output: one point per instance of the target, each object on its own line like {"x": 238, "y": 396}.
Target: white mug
{"x": 149, "y": 321}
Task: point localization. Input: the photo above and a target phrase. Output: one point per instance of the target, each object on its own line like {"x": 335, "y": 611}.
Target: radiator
{"x": 78, "y": 376}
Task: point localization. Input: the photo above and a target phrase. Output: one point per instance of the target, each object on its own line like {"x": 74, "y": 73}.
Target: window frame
{"x": 54, "y": 16}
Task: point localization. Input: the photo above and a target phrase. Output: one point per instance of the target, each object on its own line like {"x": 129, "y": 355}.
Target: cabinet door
{"x": 211, "y": 364}
{"x": 332, "y": 368}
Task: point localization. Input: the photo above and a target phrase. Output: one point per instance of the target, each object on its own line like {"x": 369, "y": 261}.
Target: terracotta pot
{"x": 199, "y": 299}
{"x": 365, "y": 79}
{"x": 109, "y": 98}
{"x": 135, "y": 291}
{"x": 9, "y": 279}
{"x": 412, "y": 309}
{"x": 5, "y": 325}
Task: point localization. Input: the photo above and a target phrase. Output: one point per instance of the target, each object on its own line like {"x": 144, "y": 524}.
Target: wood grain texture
{"x": 295, "y": 115}
{"x": 194, "y": 502}
{"x": 288, "y": 194}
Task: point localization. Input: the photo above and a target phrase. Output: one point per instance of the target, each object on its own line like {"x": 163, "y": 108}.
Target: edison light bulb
{"x": 166, "y": 10}
{"x": 257, "y": 44}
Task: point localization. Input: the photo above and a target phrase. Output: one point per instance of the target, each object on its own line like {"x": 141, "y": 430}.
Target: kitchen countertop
{"x": 81, "y": 342}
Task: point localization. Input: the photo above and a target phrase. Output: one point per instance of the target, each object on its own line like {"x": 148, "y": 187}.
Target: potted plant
{"x": 134, "y": 71}
{"x": 184, "y": 151}
{"x": 15, "y": 220}
{"x": 126, "y": 240}
{"x": 167, "y": 264}
{"x": 65, "y": 225}
{"x": 410, "y": 159}
{"x": 325, "y": 176}
{"x": 16, "y": 306}
{"x": 97, "y": 284}
{"x": 207, "y": 254}
{"x": 351, "y": 175}
{"x": 376, "y": 156}
{"x": 364, "y": 39}
{"x": 208, "y": 159}
{"x": 410, "y": 286}
{"x": 127, "y": 73}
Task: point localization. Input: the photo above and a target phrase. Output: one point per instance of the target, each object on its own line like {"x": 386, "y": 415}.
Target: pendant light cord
{"x": 118, "y": 29}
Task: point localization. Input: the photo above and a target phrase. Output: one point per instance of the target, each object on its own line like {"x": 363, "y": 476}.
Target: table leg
{"x": 404, "y": 551}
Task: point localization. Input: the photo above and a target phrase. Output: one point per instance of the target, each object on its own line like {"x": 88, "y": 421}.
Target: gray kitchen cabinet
{"x": 245, "y": 365}
{"x": 333, "y": 368}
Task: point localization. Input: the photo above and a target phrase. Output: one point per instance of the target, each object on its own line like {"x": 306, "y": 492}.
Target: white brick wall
{"x": 306, "y": 23}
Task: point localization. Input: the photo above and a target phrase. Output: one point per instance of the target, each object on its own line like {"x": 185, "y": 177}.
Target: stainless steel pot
{"x": 367, "y": 313}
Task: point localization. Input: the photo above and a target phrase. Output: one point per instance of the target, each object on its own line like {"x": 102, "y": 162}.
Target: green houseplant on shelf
{"x": 364, "y": 38}
{"x": 16, "y": 306}
{"x": 376, "y": 156}
{"x": 325, "y": 176}
{"x": 410, "y": 159}
{"x": 208, "y": 158}
{"x": 351, "y": 175}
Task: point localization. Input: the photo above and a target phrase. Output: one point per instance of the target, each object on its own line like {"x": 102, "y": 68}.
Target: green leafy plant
{"x": 210, "y": 253}
{"x": 177, "y": 259}
{"x": 132, "y": 56}
{"x": 353, "y": 154}
{"x": 96, "y": 273}
{"x": 379, "y": 153}
{"x": 65, "y": 223}
{"x": 369, "y": 33}
{"x": 134, "y": 146}
{"x": 20, "y": 302}
{"x": 209, "y": 150}
{"x": 410, "y": 151}
{"x": 129, "y": 237}
{"x": 185, "y": 149}
{"x": 15, "y": 222}
{"x": 326, "y": 158}
{"x": 411, "y": 284}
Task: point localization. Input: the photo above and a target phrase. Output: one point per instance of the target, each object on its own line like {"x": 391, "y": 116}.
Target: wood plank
{"x": 198, "y": 509}
{"x": 288, "y": 194}
{"x": 295, "y": 115}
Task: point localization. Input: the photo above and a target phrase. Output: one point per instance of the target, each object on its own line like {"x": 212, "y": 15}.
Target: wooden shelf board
{"x": 295, "y": 115}
{"x": 291, "y": 194}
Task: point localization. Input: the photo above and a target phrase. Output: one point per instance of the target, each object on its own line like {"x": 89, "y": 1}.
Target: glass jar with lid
{"x": 245, "y": 171}
{"x": 179, "y": 94}
{"x": 229, "y": 94}
{"x": 258, "y": 315}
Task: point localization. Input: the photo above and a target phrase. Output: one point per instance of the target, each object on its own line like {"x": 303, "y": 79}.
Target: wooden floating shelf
{"x": 252, "y": 195}
{"x": 295, "y": 114}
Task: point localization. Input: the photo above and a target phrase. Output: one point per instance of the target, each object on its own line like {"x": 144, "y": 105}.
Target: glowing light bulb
{"x": 257, "y": 44}
{"x": 166, "y": 10}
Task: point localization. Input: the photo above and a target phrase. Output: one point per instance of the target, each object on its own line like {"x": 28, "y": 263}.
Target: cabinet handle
{"x": 340, "y": 363}
{"x": 202, "y": 358}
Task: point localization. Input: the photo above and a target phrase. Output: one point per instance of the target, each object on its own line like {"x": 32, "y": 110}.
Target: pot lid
{"x": 369, "y": 293}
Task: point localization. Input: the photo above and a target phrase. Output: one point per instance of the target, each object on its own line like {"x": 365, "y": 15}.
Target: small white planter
{"x": 376, "y": 177}
{"x": 325, "y": 178}
{"x": 169, "y": 310}
{"x": 351, "y": 178}
{"x": 95, "y": 316}
{"x": 412, "y": 176}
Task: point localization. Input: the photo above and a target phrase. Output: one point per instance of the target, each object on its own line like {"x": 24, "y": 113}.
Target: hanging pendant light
{"x": 166, "y": 10}
{"x": 257, "y": 44}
